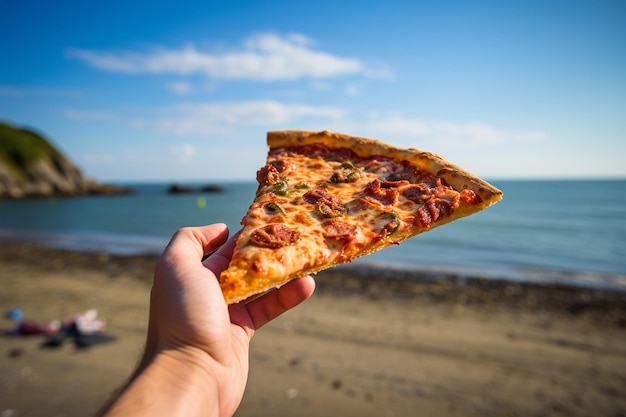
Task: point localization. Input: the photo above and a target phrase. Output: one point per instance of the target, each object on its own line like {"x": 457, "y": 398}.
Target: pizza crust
{"x": 456, "y": 176}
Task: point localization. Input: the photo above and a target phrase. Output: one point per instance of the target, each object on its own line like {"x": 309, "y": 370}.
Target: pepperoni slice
{"x": 384, "y": 191}
{"x": 469, "y": 197}
{"x": 417, "y": 193}
{"x": 328, "y": 205}
{"x": 434, "y": 210}
{"x": 318, "y": 195}
{"x": 274, "y": 236}
{"x": 337, "y": 229}
{"x": 267, "y": 175}
{"x": 282, "y": 166}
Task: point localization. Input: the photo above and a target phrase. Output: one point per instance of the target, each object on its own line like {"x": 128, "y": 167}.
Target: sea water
{"x": 567, "y": 231}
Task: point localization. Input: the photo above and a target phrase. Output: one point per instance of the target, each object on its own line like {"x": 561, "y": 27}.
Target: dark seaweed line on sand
{"x": 599, "y": 305}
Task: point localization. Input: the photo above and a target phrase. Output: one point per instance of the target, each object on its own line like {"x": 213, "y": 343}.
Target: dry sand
{"x": 361, "y": 346}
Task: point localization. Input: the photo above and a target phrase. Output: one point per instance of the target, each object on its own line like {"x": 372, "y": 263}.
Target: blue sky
{"x": 187, "y": 90}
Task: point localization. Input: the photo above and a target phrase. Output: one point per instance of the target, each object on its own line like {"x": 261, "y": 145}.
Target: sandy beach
{"x": 361, "y": 346}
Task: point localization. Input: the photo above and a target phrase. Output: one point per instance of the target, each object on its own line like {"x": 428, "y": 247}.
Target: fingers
{"x": 219, "y": 260}
{"x": 197, "y": 240}
{"x": 271, "y": 305}
{"x": 226, "y": 250}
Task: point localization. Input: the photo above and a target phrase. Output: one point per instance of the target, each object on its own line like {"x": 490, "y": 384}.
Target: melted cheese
{"x": 377, "y": 222}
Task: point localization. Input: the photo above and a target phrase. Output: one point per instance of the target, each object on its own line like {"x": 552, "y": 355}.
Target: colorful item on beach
{"x": 84, "y": 329}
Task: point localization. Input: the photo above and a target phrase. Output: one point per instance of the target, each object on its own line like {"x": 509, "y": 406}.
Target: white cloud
{"x": 530, "y": 136}
{"x": 179, "y": 87}
{"x": 184, "y": 152}
{"x": 223, "y": 117}
{"x": 399, "y": 126}
{"x": 319, "y": 85}
{"x": 262, "y": 57}
{"x": 352, "y": 90}
{"x": 450, "y": 133}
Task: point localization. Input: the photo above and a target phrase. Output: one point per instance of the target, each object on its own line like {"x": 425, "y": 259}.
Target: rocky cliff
{"x": 30, "y": 166}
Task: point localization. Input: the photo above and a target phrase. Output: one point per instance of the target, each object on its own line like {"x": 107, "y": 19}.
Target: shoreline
{"x": 428, "y": 286}
{"x": 136, "y": 245}
{"x": 128, "y": 246}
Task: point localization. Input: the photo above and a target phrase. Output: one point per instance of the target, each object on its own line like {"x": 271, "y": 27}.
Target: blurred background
{"x": 153, "y": 116}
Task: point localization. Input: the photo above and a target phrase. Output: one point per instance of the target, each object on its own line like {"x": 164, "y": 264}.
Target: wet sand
{"x": 361, "y": 346}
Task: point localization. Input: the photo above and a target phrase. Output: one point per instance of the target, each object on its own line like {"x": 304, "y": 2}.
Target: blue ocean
{"x": 565, "y": 231}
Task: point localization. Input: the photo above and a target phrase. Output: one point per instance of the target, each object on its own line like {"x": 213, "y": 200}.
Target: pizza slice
{"x": 327, "y": 198}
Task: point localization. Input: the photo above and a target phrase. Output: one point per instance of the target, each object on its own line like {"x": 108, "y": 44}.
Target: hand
{"x": 196, "y": 357}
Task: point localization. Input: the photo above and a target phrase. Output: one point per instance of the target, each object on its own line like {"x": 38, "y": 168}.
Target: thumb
{"x": 195, "y": 242}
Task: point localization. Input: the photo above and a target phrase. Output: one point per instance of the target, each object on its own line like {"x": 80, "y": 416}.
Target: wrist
{"x": 171, "y": 382}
